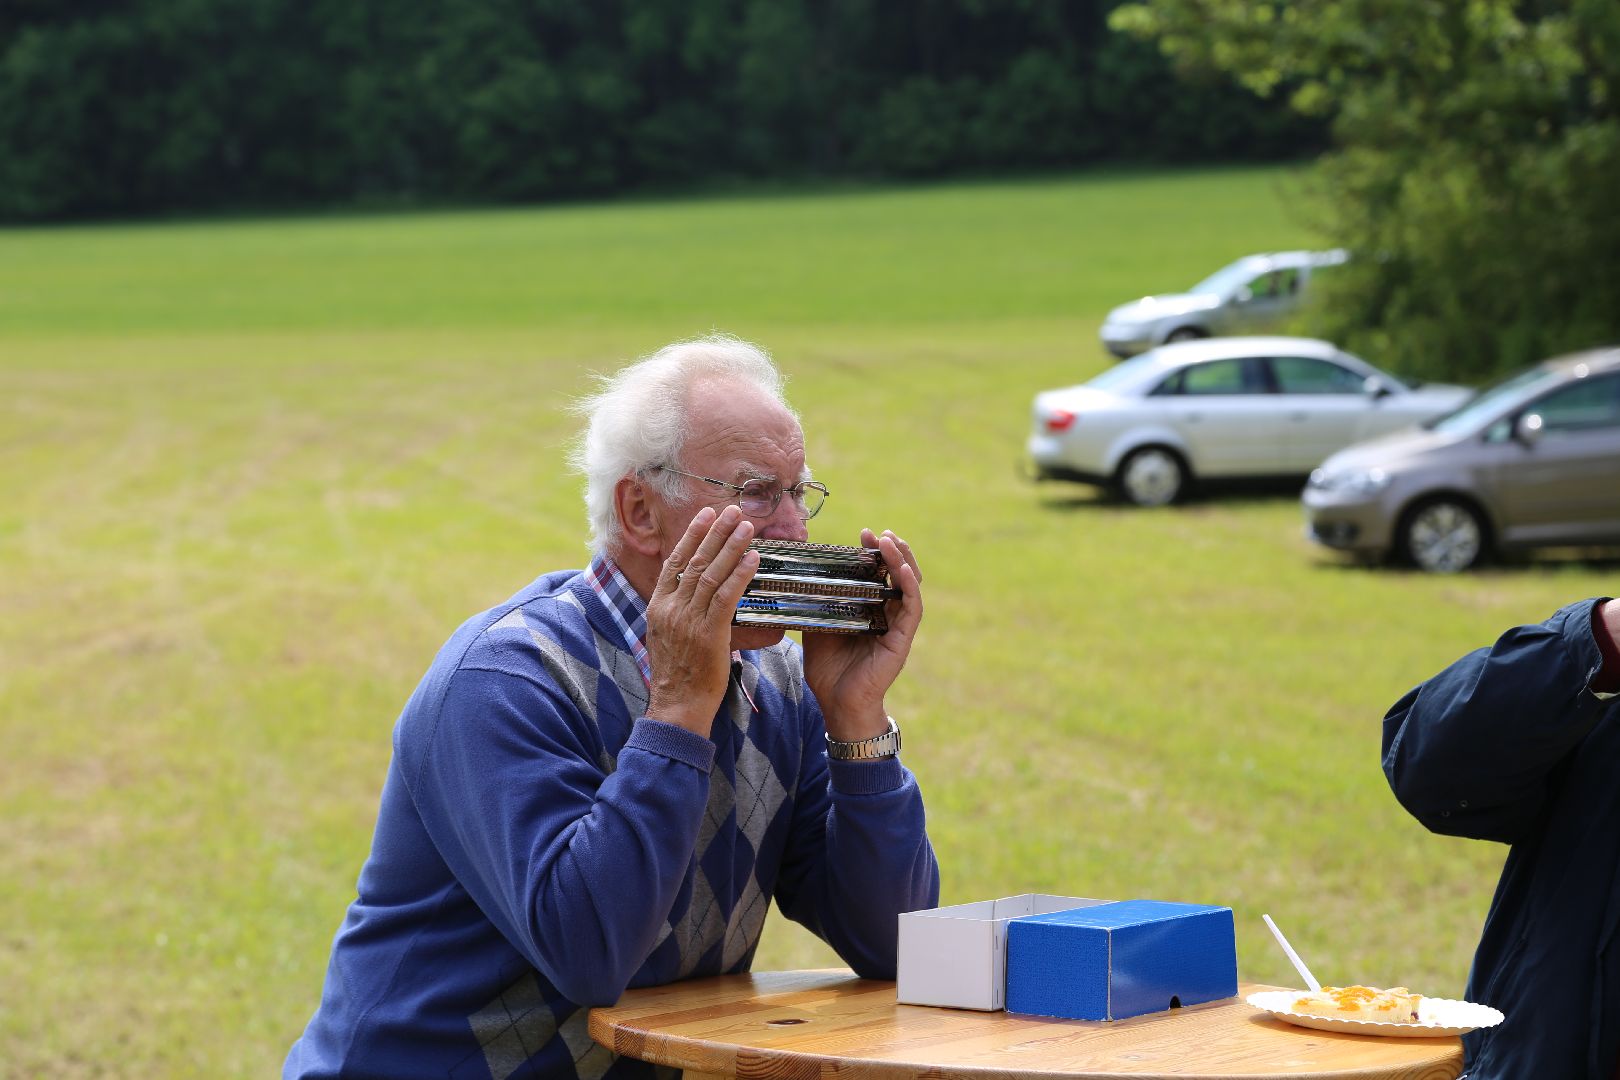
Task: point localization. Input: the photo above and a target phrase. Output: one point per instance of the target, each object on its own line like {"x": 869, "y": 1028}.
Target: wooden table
{"x": 820, "y": 1025}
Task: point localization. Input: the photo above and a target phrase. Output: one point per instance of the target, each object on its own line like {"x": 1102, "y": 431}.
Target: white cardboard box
{"x": 957, "y": 956}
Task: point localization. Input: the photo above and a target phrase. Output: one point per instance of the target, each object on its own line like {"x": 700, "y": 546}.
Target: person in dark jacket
{"x": 1520, "y": 743}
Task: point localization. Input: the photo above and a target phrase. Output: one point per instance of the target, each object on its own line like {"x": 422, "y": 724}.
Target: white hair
{"x": 637, "y": 419}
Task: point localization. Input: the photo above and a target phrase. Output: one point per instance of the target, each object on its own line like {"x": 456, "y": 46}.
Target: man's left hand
{"x": 850, "y": 673}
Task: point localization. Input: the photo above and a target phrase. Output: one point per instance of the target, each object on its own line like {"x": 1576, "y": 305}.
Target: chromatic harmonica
{"x": 822, "y": 587}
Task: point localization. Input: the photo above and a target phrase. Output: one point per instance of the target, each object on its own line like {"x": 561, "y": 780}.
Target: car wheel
{"x": 1184, "y": 333}
{"x": 1152, "y": 476}
{"x": 1443, "y": 536}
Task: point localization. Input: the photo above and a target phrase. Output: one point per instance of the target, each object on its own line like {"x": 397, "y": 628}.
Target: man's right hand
{"x": 689, "y": 618}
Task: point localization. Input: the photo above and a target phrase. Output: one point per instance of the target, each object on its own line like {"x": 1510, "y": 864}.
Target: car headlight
{"x": 1354, "y": 482}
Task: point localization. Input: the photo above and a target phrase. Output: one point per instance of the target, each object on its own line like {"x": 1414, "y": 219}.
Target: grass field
{"x": 255, "y": 472}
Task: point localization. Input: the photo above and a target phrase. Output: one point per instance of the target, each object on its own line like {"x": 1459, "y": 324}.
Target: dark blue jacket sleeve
{"x": 858, "y": 855}
{"x": 1475, "y": 750}
{"x": 576, "y": 864}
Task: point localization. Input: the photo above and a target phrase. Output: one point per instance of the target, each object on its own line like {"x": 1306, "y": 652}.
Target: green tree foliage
{"x": 158, "y": 105}
{"x": 1474, "y": 168}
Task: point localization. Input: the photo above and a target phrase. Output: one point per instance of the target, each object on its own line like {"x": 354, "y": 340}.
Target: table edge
{"x": 702, "y": 1057}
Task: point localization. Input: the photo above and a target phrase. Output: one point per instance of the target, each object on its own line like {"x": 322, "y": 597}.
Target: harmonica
{"x": 827, "y": 588}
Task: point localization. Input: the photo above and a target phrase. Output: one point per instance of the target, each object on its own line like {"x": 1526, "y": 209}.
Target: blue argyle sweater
{"x": 541, "y": 846}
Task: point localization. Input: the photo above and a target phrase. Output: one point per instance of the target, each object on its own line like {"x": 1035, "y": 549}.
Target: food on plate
{"x": 1397, "y": 1005}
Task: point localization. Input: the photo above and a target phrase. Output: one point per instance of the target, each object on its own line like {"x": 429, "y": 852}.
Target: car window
{"x": 1231, "y": 376}
{"x": 1587, "y": 403}
{"x": 1480, "y": 408}
{"x": 1226, "y": 280}
{"x": 1308, "y": 375}
{"x": 1275, "y": 285}
{"x": 1171, "y": 385}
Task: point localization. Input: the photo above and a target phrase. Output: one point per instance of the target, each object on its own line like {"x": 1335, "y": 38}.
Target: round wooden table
{"x": 813, "y": 1025}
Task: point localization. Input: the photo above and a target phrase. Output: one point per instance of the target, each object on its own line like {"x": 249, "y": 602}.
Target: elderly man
{"x": 601, "y": 783}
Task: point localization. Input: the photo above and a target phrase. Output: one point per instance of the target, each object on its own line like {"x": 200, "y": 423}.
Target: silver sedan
{"x": 1251, "y": 296}
{"x": 1221, "y": 408}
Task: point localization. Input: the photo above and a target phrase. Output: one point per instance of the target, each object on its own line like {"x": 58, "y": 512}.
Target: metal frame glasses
{"x": 759, "y": 498}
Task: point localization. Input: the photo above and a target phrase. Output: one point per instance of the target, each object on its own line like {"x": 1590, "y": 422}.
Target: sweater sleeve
{"x": 578, "y": 866}
{"x": 859, "y": 853}
{"x": 1476, "y": 749}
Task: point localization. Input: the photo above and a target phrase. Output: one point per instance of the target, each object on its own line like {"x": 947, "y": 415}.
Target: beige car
{"x": 1533, "y": 461}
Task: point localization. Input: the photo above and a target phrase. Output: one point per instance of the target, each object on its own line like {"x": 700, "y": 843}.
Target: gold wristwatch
{"x": 886, "y": 745}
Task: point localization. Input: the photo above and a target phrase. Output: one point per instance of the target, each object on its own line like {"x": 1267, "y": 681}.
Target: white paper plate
{"x": 1436, "y": 1017}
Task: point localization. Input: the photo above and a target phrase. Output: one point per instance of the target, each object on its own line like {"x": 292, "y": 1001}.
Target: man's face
{"x": 737, "y": 433}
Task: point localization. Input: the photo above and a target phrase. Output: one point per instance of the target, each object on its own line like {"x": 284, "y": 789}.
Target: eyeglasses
{"x": 759, "y": 498}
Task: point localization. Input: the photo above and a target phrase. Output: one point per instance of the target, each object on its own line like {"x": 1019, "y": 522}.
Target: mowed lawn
{"x": 255, "y": 472}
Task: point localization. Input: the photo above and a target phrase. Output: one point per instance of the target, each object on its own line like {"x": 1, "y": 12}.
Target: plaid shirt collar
{"x": 625, "y": 605}
{"x": 629, "y": 612}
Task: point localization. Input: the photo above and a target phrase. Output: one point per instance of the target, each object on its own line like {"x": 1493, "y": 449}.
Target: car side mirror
{"x": 1243, "y": 295}
{"x": 1528, "y": 429}
{"x": 1375, "y": 388}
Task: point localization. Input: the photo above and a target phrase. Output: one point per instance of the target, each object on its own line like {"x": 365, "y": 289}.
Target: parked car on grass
{"x": 1250, "y": 296}
{"x": 1223, "y": 408}
{"x": 1532, "y": 461}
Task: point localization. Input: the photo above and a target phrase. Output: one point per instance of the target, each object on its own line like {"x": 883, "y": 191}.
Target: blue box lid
{"x": 1121, "y": 913}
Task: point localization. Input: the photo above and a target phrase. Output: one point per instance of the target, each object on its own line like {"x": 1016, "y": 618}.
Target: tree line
{"x": 158, "y": 106}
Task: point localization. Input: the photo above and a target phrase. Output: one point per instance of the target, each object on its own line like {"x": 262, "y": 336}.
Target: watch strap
{"x": 886, "y": 745}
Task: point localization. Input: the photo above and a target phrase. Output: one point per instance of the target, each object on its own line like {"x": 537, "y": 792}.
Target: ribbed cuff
{"x": 673, "y": 742}
{"x": 866, "y": 777}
